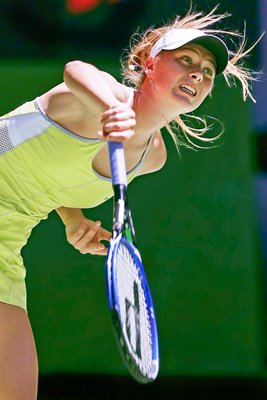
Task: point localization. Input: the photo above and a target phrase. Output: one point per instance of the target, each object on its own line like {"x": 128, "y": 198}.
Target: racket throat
{"x": 119, "y": 208}
{"x": 122, "y": 220}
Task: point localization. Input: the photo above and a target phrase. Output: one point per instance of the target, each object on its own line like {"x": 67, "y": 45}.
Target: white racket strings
{"x": 133, "y": 310}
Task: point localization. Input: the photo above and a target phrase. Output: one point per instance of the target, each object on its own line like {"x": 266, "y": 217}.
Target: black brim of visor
{"x": 218, "y": 48}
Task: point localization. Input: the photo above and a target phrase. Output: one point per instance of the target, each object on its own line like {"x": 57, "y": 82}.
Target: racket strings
{"x": 133, "y": 310}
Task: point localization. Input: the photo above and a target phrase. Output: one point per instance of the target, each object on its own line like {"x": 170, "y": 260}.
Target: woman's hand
{"x": 87, "y": 236}
{"x": 118, "y": 123}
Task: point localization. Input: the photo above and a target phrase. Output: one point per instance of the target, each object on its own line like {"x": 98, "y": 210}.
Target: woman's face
{"x": 183, "y": 78}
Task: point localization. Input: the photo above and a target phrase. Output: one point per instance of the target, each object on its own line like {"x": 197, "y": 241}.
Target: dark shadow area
{"x": 69, "y": 387}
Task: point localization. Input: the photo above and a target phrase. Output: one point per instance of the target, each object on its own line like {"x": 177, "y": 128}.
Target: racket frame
{"x": 123, "y": 233}
{"x": 119, "y": 327}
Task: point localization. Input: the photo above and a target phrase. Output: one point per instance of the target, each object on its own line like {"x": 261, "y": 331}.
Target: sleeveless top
{"x": 44, "y": 166}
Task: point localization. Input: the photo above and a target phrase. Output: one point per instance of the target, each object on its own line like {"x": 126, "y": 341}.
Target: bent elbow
{"x": 76, "y": 71}
{"x": 71, "y": 66}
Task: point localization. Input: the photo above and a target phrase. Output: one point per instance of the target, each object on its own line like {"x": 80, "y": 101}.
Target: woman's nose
{"x": 197, "y": 76}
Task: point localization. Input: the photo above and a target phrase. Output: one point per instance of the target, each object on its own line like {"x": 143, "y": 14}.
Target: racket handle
{"x": 117, "y": 163}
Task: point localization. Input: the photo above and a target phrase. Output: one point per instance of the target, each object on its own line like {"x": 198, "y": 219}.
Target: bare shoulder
{"x": 156, "y": 156}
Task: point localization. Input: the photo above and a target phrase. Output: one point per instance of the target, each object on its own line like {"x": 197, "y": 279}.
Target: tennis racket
{"x": 129, "y": 297}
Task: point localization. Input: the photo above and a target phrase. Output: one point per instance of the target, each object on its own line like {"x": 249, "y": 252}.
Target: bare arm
{"x": 104, "y": 96}
{"x": 70, "y": 215}
{"x": 96, "y": 89}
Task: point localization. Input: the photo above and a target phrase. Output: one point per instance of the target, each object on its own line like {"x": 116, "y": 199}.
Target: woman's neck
{"x": 149, "y": 119}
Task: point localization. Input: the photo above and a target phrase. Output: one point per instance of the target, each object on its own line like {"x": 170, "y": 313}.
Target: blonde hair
{"x": 133, "y": 66}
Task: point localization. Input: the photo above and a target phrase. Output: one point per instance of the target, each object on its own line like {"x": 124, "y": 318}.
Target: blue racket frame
{"x": 113, "y": 300}
{"x": 119, "y": 180}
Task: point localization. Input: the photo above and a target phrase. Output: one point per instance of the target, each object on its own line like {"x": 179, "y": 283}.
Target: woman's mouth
{"x": 188, "y": 89}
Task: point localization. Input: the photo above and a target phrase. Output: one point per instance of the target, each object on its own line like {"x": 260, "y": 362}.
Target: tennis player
{"x": 54, "y": 155}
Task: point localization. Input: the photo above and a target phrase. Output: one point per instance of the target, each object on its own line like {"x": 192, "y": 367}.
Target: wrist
{"x": 70, "y": 216}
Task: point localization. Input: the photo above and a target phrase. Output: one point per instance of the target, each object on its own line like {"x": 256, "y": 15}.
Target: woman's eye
{"x": 187, "y": 59}
{"x": 208, "y": 71}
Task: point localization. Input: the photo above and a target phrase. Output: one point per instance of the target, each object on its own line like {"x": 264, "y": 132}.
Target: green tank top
{"x": 44, "y": 166}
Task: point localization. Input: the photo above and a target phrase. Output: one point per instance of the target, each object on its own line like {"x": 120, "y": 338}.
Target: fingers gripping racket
{"x": 129, "y": 296}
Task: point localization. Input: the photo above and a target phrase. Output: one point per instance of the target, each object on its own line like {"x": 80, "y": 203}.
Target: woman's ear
{"x": 149, "y": 65}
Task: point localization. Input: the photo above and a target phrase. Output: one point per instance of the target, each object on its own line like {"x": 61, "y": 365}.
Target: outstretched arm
{"x": 104, "y": 96}
{"x": 82, "y": 233}
{"x": 96, "y": 89}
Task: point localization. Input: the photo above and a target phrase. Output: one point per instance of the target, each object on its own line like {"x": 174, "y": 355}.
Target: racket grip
{"x": 117, "y": 163}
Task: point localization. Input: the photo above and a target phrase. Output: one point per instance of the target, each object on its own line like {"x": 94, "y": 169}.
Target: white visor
{"x": 175, "y": 38}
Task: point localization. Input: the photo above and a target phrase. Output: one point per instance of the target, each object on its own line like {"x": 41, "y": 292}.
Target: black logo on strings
{"x": 133, "y": 321}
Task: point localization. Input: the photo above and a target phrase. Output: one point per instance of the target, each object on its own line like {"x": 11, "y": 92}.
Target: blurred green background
{"x": 196, "y": 220}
